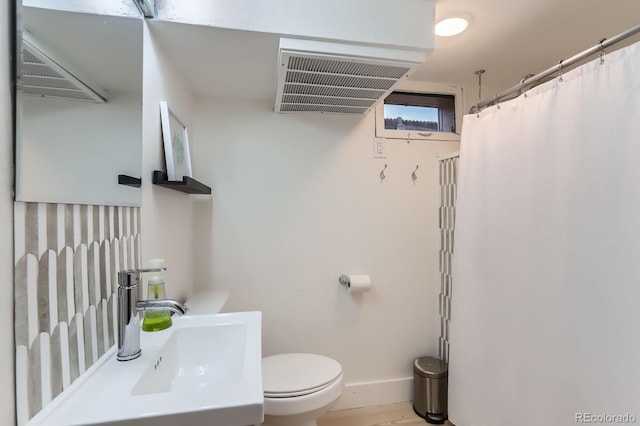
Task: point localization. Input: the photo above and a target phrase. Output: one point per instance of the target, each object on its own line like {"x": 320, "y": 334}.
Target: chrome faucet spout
{"x": 162, "y": 305}
{"x": 130, "y": 304}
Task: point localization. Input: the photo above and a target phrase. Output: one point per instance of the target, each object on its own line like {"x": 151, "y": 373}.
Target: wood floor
{"x": 381, "y": 415}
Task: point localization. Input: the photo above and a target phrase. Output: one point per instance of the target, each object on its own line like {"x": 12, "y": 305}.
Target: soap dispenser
{"x": 156, "y": 320}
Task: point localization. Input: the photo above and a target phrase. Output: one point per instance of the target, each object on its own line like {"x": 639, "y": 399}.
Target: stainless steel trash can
{"x": 430, "y": 389}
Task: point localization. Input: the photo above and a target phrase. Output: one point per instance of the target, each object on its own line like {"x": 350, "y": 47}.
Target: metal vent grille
{"x": 320, "y": 82}
{"x": 324, "y": 100}
{"x": 43, "y": 76}
{"x": 339, "y": 80}
{"x": 346, "y": 67}
{"x": 322, "y": 108}
{"x": 303, "y": 89}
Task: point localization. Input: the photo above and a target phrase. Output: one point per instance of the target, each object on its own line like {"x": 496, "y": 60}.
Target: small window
{"x": 420, "y": 111}
{"x": 419, "y": 114}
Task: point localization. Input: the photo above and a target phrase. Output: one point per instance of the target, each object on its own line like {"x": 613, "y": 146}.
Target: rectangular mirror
{"x": 79, "y": 108}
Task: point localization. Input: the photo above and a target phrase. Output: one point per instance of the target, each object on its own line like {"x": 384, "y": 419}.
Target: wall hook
{"x": 413, "y": 175}
{"x": 382, "y": 176}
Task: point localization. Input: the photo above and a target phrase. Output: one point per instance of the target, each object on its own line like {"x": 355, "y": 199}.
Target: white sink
{"x": 204, "y": 370}
{"x": 187, "y": 361}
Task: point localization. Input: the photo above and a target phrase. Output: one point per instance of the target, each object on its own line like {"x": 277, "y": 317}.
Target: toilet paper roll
{"x": 359, "y": 283}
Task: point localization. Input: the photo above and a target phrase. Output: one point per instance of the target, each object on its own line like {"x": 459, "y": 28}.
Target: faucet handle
{"x": 130, "y": 278}
{"x": 150, "y": 269}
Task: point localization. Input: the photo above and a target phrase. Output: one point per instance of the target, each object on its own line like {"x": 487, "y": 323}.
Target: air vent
{"x": 338, "y": 78}
{"x": 43, "y": 75}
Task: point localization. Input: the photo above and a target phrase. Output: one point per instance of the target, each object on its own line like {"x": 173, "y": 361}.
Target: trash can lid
{"x": 430, "y": 367}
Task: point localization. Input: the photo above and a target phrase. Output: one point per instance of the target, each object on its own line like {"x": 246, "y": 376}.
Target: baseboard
{"x": 366, "y": 394}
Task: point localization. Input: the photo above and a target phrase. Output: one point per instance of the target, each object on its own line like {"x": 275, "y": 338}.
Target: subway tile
{"x": 111, "y": 319}
{"x": 99, "y": 338}
{"x": 64, "y": 283}
{"x": 41, "y": 228}
{"x": 21, "y": 303}
{"x": 45, "y": 367}
{"x": 31, "y": 228}
{"x": 74, "y": 344}
{"x": 96, "y": 220}
{"x": 43, "y": 294}
{"x": 82, "y": 361}
{"x": 88, "y": 331}
{"x": 19, "y": 229}
{"x": 22, "y": 384}
{"x": 105, "y": 325}
{"x": 92, "y": 283}
{"x": 34, "y": 383}
{"x": 79, "y": 274}
{"x": 65, "y": 360}
{"x": 52, "y": 227}
{"x": 77, "y": 227}
{"x": 117, "y": 223}
{"x": 56, "y": 362}
{"x": 93, "y": 334}
{"x": 60, "y": 229}
{"x": 32, "y": 298}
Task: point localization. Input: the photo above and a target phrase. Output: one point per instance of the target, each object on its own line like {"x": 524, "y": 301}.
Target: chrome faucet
{"x": 129, "y": 307}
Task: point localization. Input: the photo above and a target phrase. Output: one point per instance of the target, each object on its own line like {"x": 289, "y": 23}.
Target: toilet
{"x": 298, "y": 388}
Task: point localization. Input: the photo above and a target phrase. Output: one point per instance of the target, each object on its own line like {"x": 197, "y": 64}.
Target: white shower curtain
{"x": 545, "y": 325}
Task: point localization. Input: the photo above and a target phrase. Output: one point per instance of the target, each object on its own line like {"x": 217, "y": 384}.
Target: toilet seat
{"x": 295, "y": 375}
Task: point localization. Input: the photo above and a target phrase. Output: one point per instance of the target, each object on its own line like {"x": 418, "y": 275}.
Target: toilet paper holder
{"x": 344, "y": 280}
{"x": 355, "y": 283}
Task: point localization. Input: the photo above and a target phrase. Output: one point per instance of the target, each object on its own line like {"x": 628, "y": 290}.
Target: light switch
{"x": 378, "y": 148}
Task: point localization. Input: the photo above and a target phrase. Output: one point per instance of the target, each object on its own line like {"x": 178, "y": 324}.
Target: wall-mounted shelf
{"x": 187, "y": 184}
{"x": 129, "y": 181}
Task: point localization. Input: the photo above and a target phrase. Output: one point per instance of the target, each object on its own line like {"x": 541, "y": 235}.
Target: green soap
{"x": 156, "y": 321}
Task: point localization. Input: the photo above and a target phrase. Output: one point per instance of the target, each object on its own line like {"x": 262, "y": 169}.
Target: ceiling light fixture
{"x": 451, "y": 26}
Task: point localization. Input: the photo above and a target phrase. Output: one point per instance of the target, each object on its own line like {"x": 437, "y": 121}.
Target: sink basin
{"x": 188, "y": 361}
{"x": 205, "y": 369}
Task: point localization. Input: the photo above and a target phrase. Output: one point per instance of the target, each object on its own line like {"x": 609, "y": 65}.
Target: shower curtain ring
{"x": 561, "y": 69}
{"x": 602, "y": 52}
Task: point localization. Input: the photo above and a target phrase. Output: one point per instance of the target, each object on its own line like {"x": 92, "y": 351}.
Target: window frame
{"x": 422, "y": 88}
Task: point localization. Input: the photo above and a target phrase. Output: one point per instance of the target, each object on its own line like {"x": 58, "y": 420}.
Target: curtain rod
{"x": 557, "y": 68}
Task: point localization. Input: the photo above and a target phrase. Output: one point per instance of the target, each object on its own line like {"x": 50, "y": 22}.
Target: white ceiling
{"x": 507, "y": 38}
{"x": 511, "y": 38}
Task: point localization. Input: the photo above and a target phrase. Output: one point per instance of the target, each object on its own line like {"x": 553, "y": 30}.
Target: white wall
{"x": 297, "y": 201}
{"x": 166, "y": 215}
{"x": 7, "y": 398}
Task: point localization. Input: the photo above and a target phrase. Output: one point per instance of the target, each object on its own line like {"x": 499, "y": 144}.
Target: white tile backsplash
{"x": 66, "y": 259}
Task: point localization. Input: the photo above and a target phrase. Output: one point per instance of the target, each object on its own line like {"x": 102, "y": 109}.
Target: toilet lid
{"x": 289, "y": 375}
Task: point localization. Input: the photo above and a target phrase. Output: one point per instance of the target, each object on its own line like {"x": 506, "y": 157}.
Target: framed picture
{"x": 176, "y": 144}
